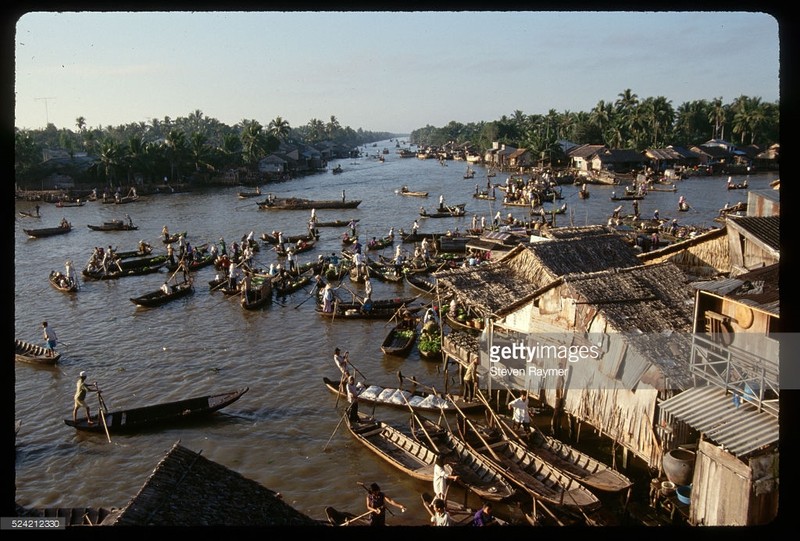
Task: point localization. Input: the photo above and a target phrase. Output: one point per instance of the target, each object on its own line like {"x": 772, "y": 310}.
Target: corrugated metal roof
{"x": 710, "y": 410}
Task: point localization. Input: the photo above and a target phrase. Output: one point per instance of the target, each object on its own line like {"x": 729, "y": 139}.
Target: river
{"x": 281, "y": 432}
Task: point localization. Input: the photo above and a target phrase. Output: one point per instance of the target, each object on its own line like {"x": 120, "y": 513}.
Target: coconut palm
{"x": 280, "y": 128}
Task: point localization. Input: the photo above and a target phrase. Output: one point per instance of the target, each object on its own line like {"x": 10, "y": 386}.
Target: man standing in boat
{"x": 50, "y": 339}
{"x": 80, "y": 398}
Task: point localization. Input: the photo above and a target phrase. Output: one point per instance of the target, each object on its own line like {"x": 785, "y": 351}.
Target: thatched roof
{"x": 647, "y": 299}
{"x": 186, "y": 489}
{"x": 589, "y": 253}
{"x": 580, "y": 231}
{"x": 652, "y": 306}
{"x": 487, "y": 288}
{"x": 490, "y": 289}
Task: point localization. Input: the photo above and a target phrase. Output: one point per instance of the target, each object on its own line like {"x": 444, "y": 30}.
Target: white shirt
{"x": 520, "y": 408}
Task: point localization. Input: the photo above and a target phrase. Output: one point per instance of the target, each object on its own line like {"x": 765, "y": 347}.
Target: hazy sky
{"x": 380, "y": 71}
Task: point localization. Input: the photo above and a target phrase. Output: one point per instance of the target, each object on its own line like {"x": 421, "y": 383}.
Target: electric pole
{"x": 46, "y": 112}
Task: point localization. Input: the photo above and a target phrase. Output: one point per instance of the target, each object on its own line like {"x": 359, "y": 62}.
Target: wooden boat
{"x": 27, "y": 352}
{"x": 273, "y": 239}
{"x": 576, "y": 464}
{"x": 28, "y": 214}
{"x": 259, "y": 295}
{"x": 417, "y": 399}
{"x": 359, "y": 312}
{"x": 738, "y": 207}
{"x": 405, "y": 191}
{"x": 336, "y": 170}
{"x": 128, "y": 254}
{"x": 458, "y": 325}
{"x": 453, "y": 211}
{"x": 381, "y": 243}
{"x": 247, "y": 195}
{"x": 485, "y": 196}
{"x": 297, "y": 248}
{"x": 168, "y": 413}
{"x": 420, "y": 283}
{"x": 662, "y": 188}
{"x": 399, "y": 340}
{"x": 395, "y": 447}
{"x": 73, "y": 516}
{"x": 62, "y": 204}
{"x": 626, "y": 197}
{"x": 583, "y": 194}
{"x": 394, "y": 303}
{"x": 59, "y": 281}
{"x": 344, "y": 518}
{"x": 116, "y": 225}
{"x": 294, "y": 283}
{"x": 336, "y": 223}
{"x": 159, "y": 297}
{"x": 205, "y": 259}
{"x": 136, "y": 262}
{"x": 48, "y": 231}
{"x": 112, "y": 274}
{"x": 296, "y": 203}
{"x": 475, "y": 472}
{"x": 530, "y": 472}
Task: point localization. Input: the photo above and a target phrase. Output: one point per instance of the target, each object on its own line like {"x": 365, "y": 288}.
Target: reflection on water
{"x": 205, "y": 343}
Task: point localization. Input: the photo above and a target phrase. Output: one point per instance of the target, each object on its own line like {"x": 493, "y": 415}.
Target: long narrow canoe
{"x": 344, "y": 518}
{"x": 168, "y": 413}
{"x": 27, "y": 352}
{"x": 400, "y": 398}
{"x": 475, "y": 472}
{"x": 259, "y": 295}
{"x": 158, "y": 297}
{"x": 395, "y": 447}
{"x": 578, "y": 465}
{"x": 116, "y": 273}
{"x": 531, "y": 473}
{"x": 399, "y": 340}
{"x": 296, "y": 203}
{"x": 48, "y": 231}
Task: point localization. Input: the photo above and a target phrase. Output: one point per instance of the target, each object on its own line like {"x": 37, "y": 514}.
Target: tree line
{"x": 628, "y": 122}
{"x": 194, "y": 146}
{"x": 200, "y": 146}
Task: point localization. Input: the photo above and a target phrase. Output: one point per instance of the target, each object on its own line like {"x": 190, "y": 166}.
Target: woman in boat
{"x": 327, "y": 299}
{"x": 376, "y": 503}
{"x": 441, "y": 477}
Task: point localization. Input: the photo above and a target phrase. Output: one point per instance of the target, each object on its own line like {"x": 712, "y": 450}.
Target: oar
{"x": 311, "y": 294}
{"x": 347, "y": 358}
{"x": 419, "y": 422}
{"x": 103, "y": 413}
{"x": 485, "y": 443}
{"x": 335, "y": 429}
{"x": 349, "y": 520}
{"x": 339, "y": 393}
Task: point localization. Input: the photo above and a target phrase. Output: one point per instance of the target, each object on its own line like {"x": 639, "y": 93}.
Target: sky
{"x": 379, "y": 71}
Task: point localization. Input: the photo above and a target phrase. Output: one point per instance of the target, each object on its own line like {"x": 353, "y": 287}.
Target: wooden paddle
{"x": 103, "y": 412}
{"x": 335, "y": 429}
{"x": 349, "y": 520}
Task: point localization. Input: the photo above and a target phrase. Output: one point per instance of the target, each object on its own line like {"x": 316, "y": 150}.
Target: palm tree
{"x": 175, "y": 150}
{"x": 717, "y": 118}
{"x": 109, "y": 158}
{"x": 80, "y": 122}
{"x": 253, "y": 140}
{"x": 279, "y": 128}
{"x": 332, "y": 127}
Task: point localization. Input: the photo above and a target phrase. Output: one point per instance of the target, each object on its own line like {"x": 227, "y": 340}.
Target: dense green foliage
{"x": 199, "y": 146}
{"x": 628, "y": 123}
{"x": 192, "y": 146}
